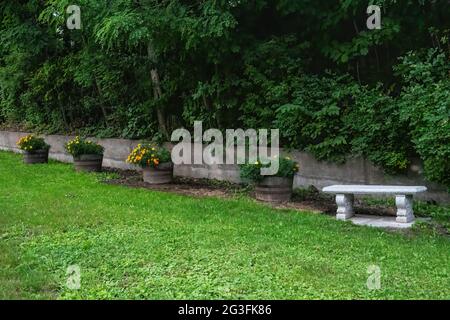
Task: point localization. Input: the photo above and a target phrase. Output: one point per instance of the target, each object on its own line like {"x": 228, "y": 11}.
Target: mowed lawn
{"x": 141, "y": 244}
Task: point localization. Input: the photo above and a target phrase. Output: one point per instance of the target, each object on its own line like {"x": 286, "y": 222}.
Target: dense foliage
{"x": 139, "y": 69}
{"x": 31, "y": 144}
{"x": 80, "y": 146}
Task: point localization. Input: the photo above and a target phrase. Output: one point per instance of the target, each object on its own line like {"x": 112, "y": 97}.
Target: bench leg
{"x": 345, "y": 206}
{"x": 404, "y": 205}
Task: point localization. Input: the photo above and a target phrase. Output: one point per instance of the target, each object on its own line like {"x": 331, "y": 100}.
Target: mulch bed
{"x": 190, "y": 187}
{"x": 313, "y": 200}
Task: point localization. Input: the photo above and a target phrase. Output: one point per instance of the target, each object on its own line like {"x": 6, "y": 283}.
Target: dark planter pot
{"x": 88, "y": 162}
{"x": 274, "y": 189}
{"x": 38, "y": 156}
{"x": 161, "y": 175}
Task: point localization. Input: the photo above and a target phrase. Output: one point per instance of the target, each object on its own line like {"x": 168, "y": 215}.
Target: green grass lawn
{"x": 141, "y": 244}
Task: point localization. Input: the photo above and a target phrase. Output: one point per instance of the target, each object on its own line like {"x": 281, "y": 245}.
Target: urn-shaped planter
{"x": 162, "y": 174}
{"x": 274, "y": 189}
{"x": 38, "y": 156}
{"x": 88, "y": 162}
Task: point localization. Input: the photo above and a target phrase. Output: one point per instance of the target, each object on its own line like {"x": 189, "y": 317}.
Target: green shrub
{"x": 424, "y": 105}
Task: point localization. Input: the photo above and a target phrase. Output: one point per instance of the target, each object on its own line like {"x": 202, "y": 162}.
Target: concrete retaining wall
{"x": 312, "y": 172}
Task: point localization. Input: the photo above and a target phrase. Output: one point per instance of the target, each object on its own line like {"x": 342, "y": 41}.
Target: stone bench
{"x": 403, "y": 198}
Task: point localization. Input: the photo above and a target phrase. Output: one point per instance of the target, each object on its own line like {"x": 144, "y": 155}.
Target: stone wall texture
{"x": 312, "y": 172}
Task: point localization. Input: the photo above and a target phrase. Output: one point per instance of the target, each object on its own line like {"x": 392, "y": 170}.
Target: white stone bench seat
{"x": 403, "y": 198}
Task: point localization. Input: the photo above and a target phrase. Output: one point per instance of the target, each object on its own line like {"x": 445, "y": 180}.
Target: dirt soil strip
{"x": 314, "y": 201}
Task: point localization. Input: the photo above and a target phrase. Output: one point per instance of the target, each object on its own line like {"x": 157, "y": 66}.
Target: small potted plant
{"x": 156, "y": 163}
{"x": 87, "y": 155}
{"x": 275, "y": 188}
{"x": 35, "y": 149}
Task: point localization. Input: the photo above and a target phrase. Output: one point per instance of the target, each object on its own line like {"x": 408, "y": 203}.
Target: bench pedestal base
{"x": 345, "y": 206}
{"x": 403, "y": 199}
{"x": 404, "y": 205}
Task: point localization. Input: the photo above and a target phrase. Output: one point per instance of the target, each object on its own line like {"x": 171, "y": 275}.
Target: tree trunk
{"x": 157, "y": 93}
{"x": 105, "y": 115}
{"x": 63, "y": 115}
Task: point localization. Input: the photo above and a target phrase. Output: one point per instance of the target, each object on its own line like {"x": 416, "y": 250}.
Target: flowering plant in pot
{"x": 275, "y": 188}
{"x": 35, "y": 149}
{"x": 87, "y": 155}
{"x": 155, "y": 161}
